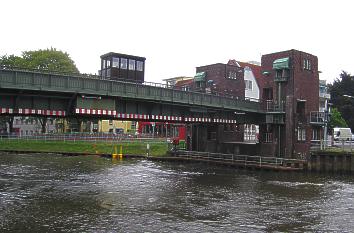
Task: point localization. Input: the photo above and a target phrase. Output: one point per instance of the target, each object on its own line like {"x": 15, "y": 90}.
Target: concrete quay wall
{"x": 331, "y": 162}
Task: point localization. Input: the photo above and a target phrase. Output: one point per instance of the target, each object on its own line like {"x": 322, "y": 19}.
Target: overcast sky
{"x": 176, "y": 36}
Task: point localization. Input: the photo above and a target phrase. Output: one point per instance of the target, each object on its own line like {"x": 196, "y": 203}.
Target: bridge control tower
{"x": 123, "y": 67}
{"x": 290, "y": 94}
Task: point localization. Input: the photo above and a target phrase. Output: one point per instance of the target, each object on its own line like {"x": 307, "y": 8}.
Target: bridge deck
{"x": 36, "y": 81}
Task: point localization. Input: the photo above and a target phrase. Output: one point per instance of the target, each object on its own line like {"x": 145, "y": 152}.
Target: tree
{"x": 52, "y": 60}
{"x": 341, "y": 88}
{"x": 47, "y": 59}
{"x": 336, "y": 119}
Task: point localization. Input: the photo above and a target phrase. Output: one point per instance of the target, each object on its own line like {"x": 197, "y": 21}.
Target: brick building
{"x": 222, "y": 79}
{"x": 290, "y": 86}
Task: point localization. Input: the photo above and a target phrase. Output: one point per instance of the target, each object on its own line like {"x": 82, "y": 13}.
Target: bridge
{"x": 25, "y": 92}
{"x": 214, "y": 123}
{"x": 46, "y": 94}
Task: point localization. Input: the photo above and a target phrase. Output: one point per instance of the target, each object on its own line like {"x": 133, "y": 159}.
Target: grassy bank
{"x": 157, "y": 148}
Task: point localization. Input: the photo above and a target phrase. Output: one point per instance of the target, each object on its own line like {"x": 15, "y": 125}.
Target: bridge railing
{"x": 84, "y": 137}
{"x": 94, "y": 85}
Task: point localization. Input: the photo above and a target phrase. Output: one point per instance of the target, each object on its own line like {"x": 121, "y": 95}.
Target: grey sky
{"x": 177, "y": 36}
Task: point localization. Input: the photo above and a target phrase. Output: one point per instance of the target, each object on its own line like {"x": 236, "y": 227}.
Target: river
{"x": 54, "y": 193}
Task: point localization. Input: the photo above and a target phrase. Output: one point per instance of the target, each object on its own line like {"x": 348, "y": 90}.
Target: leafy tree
{"x": 48, "y": 59}
{"x": 336, "y": 119}
{"x": 12, "y": 61}
{"x": 342, "y": 97}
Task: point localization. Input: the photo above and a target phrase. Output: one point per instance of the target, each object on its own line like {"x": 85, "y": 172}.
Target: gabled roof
{"x": 233, "y": 62}
{"x": 257, "y": 72}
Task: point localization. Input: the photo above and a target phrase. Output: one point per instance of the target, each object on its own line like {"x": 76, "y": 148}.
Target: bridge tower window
{"x": 123, "y": 63}
{"x": 139, "y": 66}
{"x": 115, "y": 62}
{"x": 131, "y": 64}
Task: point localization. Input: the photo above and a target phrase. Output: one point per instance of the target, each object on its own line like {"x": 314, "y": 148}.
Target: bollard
{"x": 148, "y": 150}
{"x": 121, "y": 152}
{"x": 115, "y": 155}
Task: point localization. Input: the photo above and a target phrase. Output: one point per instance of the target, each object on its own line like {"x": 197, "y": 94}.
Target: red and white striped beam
{"x": 6, "y": 110}
{"x": 29, "y": 111}
{"x": 133, "y": 116}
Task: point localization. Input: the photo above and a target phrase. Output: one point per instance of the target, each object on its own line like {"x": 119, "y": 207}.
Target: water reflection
{"x": 45, "y": 193}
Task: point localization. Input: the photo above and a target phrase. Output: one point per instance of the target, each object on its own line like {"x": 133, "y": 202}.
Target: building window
{"x": 139, "y": 65}
{"x": 301, "y": 134}
{"x": 108, "y": 74}
{"x": 304, "y": 66}
{"x": 131, "y": 64}
{"x": 108, "y": 63}
{"x": 185, "y": 88}
{"x": 123, "y": 63}
{"x": 248, "y": 85}
{"x": 316, "y": 134}
{"x": 232, "y": 75}
{"x": 115, "y": 62}
{"x": 103, "y": 64}
{"x": 307, "y": 64}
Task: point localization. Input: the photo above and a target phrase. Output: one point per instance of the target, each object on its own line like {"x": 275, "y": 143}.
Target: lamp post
{"x": 351, "y": 97}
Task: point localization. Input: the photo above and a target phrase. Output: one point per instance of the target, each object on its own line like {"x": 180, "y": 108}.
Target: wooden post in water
{"x": 318, "y": 163}
{"x": 335, "y": 163}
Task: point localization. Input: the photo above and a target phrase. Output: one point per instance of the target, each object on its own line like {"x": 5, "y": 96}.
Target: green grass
{"x": 157, "y": 148}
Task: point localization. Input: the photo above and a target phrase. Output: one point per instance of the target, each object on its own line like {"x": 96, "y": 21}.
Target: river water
{"x": 54, "y": 193}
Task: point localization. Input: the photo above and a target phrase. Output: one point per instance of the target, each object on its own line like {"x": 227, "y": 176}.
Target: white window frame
{"x": 139, "y": 65}
{"x": 232, "y": 75}
{"x": 124, "y": 63}
{"x": 248, "y": 85}
{"x": 131, "y": 64}
{"x": 115, "y": 62}
{"x": 301, "y": 134}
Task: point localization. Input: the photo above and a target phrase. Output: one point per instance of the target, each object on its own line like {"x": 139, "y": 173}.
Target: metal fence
{"x": 83, "y": 137}
{"x": 246, "y": 160}
{"x": 341, "y": 145}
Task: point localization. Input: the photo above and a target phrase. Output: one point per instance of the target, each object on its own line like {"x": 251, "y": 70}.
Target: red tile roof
{"x": 184, "y": 82}
{"x": 262, "y": 80}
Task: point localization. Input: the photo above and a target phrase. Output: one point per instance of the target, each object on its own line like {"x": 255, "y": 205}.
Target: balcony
{"x": 274, "y": 119}
{"x": 282, "y": 69}
{"x": 318, "y": 118}
{"x": 274, "y": 107}
{"x": 281, "y": 78}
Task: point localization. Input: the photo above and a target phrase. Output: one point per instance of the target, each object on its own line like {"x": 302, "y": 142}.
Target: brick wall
{"x": 219, "y": 73}
{"x": 302, "y": 86}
